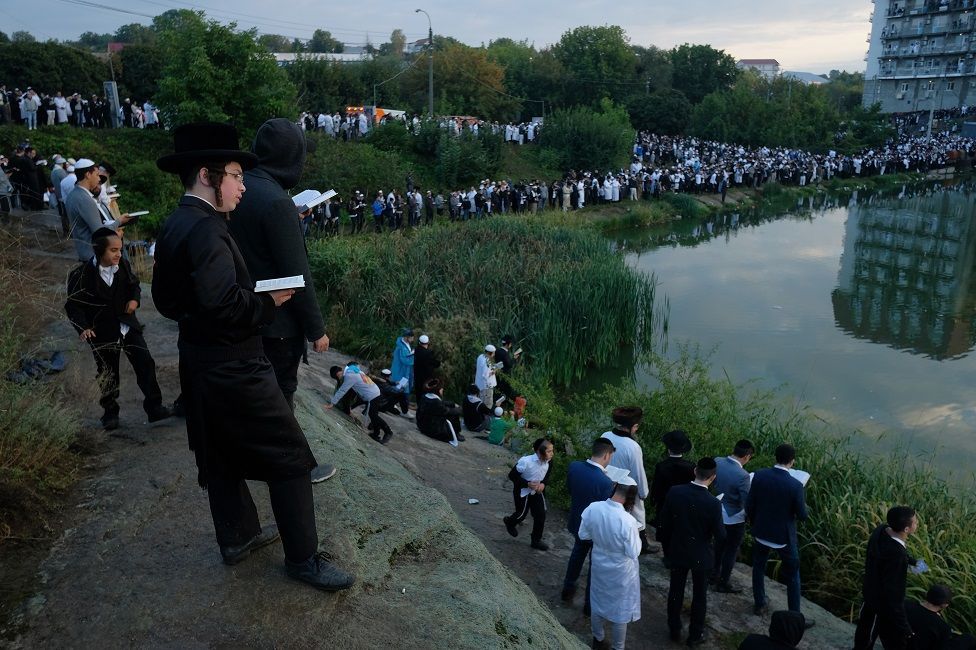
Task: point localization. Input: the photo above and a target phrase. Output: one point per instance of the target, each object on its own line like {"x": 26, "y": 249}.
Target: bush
{"x": 581, "y": 138}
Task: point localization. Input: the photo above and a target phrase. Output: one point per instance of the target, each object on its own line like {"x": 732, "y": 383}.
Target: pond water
{"x": 861, "y": 306}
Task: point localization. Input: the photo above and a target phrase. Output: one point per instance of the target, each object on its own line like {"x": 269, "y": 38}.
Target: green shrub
{"x": 582, "y": 138}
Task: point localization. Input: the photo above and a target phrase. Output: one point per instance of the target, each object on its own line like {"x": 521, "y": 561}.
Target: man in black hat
{"x": 268, "y": 232}
{"x": 690, "y": 519}
{"x": 629, "y": 456}
{"x": 673, "y": 470}
{"x": 239, "y": 424}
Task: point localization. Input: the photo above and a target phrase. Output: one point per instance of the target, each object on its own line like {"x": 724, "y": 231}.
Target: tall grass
{"x": 847, "y": 496}
{"x": 37, "y": 425}
{"x": 566, "y": 298}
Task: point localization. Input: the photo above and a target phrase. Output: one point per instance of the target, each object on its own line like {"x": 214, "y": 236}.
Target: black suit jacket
{"x": 690, "y": 519}
{"x": 667, "y": 473}
{"x": 885, "y": 574}
{"x": 92, "y": 304}
{"x": 424, "y": 364}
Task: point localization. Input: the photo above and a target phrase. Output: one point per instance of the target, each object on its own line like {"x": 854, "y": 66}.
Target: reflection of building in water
{"x": 907, "y": 274}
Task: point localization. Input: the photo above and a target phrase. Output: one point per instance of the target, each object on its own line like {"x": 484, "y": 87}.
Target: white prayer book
{"x": 275, "y": 284}
{"x": 308, "y": 199}
{"x": 798, "y": 474}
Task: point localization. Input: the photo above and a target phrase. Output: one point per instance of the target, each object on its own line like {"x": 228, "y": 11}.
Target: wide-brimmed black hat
{"x": 677, "y": 441}
{"x": 627, "y": 416}
{"x": 205, "y": 142}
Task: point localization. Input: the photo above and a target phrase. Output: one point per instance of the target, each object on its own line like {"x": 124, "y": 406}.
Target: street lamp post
{"x": 430, "y": 63}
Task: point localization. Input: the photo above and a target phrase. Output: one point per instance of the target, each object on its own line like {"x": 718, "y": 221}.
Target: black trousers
{"x": 376, "y": 421}
{"x": 284, "y": 355}
{"x": 107, "y": 362}
{"x": 699, "y": 597}
{"x": 726, "y": 551}
{"x": 873, "y": 626}
{"x": 236, "y": 519}
{"x": 534, "y": 503}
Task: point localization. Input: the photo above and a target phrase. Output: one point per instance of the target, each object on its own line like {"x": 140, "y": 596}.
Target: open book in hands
{"x": 308, "y": 199}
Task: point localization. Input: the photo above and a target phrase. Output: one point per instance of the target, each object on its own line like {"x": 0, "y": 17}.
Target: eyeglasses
{"x": 238, "y": 176}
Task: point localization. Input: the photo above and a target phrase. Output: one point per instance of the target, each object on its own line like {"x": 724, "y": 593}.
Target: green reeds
{"x": 568, "y": 300}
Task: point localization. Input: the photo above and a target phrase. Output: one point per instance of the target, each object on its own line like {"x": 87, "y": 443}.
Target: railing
{"x": 928, "y": 50}
{"x": 949, "y": 71}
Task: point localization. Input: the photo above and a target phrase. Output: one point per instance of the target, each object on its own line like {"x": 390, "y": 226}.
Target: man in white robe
{"x": 615, "y": 573}
{"x": 629, "y": 456}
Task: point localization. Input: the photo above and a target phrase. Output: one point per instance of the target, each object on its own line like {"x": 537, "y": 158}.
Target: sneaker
{"x": 323, "y": 472}
{"x": 320, "y": 573}
{"x": 459, "y": 437}
{"x": 407, "y": 415}
{"x": 235, "y": 554}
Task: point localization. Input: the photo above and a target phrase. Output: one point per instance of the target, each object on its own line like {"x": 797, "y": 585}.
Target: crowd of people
{"x": 40, "y": 109}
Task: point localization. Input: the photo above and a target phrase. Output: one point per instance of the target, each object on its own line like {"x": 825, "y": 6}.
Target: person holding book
{"x": 271, "y": 240}
{"x": 239, "y": 424}
{"x": 103, "y": 296}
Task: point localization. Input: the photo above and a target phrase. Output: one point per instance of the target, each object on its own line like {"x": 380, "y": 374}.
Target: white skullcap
{"x": 84, "y": 163}
{"x": 498, "y": 411}
{"x": 386, "y": 371}
{"x": 489, "y": 348}
{"x": 424, "y": 339}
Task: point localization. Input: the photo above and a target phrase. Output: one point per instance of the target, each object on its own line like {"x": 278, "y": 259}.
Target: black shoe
{"x": 323, "y": 473}
{"x": 320, "y": 573}
{"x": 235, "y": 554}
{"x": 459, "y": 437}
{"x": 586, "y": 610}
{"x": 698, "y": 640}
{"x": 540, "y": 546}
{"x": 727, "y": 588}
{"x": 178, "y": 410}
{"x": 375, "y": 436}
{"x": 760, "y": 610}
{"x": 160, "y": 413}
{"x": 676, "y": 635}
{"x": 600, "y": 645}
{"x": 386, "y": 437}
{"x": 808, "y": 623}
{"x": 110, "y": 422}
{"x": 568, "y": 595}
{"x": 510, "y": 526}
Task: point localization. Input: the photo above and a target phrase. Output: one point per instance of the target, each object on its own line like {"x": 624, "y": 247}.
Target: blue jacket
{"x": 402, "y": 365}
{"x": 732, "y": 481}
{"x": 774, "y": 505}
{"x": 587, "y": 484}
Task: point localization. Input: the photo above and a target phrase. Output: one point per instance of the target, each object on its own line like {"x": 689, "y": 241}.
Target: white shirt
{"x": 531, "y": 468}
{"x": 630, "y": 456}
{"x": 615, "y": 574}
{"x": 484, "y": 374}
{"x": 68, "y": 184}
{"x": 107, "y": 274}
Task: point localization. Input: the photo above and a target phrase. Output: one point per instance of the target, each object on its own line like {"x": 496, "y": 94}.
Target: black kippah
{"x": 103, "y": 232}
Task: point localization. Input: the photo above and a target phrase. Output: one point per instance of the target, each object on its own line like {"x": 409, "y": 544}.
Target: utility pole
{"x": 430, "y": 63}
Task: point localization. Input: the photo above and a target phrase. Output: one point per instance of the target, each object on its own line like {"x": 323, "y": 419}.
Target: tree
{"x": 666, "y": 112}
{"x": 51, "y": 67}
{"x": 322, "y": 41}
{"x": 4, "y": 38}
{"x": 95, "y": 42}
{"x": 213, "y": 72}
{"x": 22, "y": 37}
{"x": 599, "y": 62}
{"x": 583, "y": 138}
{"x": 275, "y": 43}
{"x": 141, "y": 67}
{"x": 654, "y": 67}
{"x": 701, "y": 69}
{"x": 135, "y": 34}
{"x": 398, "y": 43}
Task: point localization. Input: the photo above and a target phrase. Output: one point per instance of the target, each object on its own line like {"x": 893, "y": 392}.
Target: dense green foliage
{"x": 213, "y": 72}
{"x": 582, "y": 138}
{"x": 699, "y": 70}
{"x": 568, "y": 300}
{"x": 50, "y": 67}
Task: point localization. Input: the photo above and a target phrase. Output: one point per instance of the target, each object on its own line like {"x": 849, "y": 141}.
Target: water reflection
{"x": 907, "y": 270}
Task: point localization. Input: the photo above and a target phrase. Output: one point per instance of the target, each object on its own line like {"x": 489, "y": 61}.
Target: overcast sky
{"x": 812, "y": 36}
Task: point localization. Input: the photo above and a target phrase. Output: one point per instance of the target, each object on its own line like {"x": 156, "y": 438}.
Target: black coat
{"x": 688, "y": 523}
{"x": 667, "y": 473}
{"x": 94, "y": 305}
{"x": 785, "y": 632}
{"x": 433, "y": 415}
{"x": 269, "y": 233}
{"x": 237, "y": 420}
{"x": 424, "y": 365}
{"x": 885, "y": 574}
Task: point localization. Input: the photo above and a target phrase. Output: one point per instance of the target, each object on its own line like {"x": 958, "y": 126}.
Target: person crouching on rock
{"x": 436, "y": 417}
{"x": 352, "y": 378}
{"x": 530, "y": 476}
{"x": 103, "y": 295}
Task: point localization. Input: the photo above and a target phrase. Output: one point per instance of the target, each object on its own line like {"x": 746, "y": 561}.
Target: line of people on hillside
{"x": 33, "y": 110}
{"x": 355, "y": 124}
